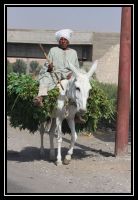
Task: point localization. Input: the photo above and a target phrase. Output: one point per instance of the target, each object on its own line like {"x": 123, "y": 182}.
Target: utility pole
{"x": 123, "y": 105}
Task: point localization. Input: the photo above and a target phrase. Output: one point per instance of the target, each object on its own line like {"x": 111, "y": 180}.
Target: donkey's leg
{"x": 71, "y": 124}
{"x": 51, "y": 137}
{"x": 42, "y": 130}
{"x": 59, "y": 140}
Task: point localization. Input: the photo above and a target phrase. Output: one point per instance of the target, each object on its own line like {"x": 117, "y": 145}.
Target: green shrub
{"x": 111, "y": 92}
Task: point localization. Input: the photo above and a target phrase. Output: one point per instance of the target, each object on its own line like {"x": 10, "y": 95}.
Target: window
{"x": 84, "y": 52}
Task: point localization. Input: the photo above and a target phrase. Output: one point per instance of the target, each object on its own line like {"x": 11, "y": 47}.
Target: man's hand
{"x": 50, "y": 67}
{"x": 69, "y": 76}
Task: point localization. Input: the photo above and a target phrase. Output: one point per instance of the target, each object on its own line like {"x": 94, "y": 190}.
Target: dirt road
{"x": 93, "y": 168}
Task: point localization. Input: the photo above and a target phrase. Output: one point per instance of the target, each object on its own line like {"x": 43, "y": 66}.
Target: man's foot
{"x": 78, "y": 119}
{"x": 38, "y": 101}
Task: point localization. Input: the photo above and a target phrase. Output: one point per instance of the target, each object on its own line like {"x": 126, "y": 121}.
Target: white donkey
{"x": 72, "y": 99}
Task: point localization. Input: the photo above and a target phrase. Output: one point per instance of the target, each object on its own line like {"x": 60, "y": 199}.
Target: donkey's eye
{"x": 77, "y": 88}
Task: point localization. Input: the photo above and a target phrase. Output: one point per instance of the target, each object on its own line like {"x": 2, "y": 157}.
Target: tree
{"x": 19, "y": 66}
{"x": 34, "y": 68}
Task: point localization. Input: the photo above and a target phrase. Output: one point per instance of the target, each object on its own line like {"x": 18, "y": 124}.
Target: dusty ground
{"x": 93, "y": 168}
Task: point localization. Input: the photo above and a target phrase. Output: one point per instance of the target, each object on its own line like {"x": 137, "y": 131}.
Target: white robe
{"x": 59, "y": 58}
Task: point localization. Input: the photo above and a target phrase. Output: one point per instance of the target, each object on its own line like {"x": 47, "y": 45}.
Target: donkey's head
{"x": 81, "y": 86}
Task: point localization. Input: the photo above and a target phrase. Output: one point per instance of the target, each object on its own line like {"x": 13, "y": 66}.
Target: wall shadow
{"x": 107, "y": 136}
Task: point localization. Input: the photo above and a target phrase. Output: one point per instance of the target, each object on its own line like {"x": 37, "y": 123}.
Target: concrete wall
{"x": 102, "y": 42}
{"x": 24, "y": 43}
{"x": 30, "y": 36}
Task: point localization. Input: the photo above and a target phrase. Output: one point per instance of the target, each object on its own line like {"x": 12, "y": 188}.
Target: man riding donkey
{"x": 57, "y": 66}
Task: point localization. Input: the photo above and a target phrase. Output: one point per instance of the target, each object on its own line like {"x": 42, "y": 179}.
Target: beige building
{"x": 24, "y": 43}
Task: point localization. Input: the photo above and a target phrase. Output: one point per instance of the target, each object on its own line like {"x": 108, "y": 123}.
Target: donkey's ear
{"x": 93, "y": 68}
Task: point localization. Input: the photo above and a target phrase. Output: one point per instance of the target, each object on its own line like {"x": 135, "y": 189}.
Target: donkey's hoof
{"x": 67, "y": 159}
{"x": 58, "y": 163}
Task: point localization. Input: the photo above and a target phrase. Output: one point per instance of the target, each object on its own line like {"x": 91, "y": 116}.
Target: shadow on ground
{"x": 29, "y": 154}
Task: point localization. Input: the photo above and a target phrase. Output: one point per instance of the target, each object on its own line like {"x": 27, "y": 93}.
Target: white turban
{"x": 65, "y": 33}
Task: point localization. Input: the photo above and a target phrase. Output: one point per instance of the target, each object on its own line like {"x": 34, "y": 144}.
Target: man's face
{"x": 63, "y": 43}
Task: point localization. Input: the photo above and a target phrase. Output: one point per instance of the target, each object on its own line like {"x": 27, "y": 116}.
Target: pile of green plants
{"x": 99, "y": 108}
{"x": 21, "y": 90}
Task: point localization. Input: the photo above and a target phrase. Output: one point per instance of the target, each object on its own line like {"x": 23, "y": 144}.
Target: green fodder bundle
{"x": 99, "y": 107}
{"x": 21, "y": 90}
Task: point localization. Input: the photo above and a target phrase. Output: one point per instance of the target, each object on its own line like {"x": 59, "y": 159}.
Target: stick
{"x": 49, "y": 63}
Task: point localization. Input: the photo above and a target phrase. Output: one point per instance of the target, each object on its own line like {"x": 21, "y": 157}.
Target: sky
{"x": 98, "y": 19}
